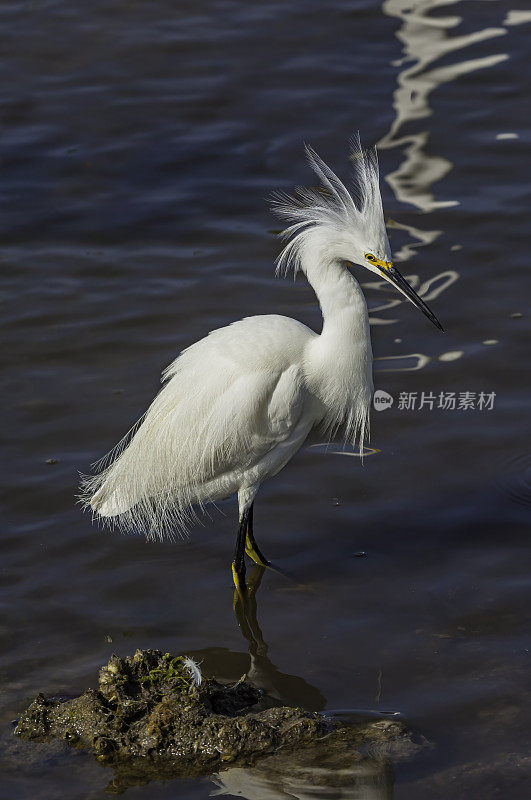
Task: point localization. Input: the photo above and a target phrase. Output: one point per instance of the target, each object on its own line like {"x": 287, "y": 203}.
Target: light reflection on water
{"x": 424, "y": 289}
{"x": 410, "y": 362}
{"x": 426, "y": 39}
{"x": 422, "y": 238}
{"x": 328, "y": 448}
{"x": 279, "y": 779}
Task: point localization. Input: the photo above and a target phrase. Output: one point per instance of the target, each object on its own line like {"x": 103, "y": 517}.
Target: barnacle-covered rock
{"x": 154, "y": 704}
{"x": 154, "y": 715}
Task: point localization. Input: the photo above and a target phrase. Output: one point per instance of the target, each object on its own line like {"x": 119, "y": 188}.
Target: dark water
{"x": 138, "y": 143}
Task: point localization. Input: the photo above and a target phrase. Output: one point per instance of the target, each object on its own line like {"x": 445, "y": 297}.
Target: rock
{"x": 154, "y": 715}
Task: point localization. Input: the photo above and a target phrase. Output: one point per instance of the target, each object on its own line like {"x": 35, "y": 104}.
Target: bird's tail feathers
{"x": 164, "y": 471}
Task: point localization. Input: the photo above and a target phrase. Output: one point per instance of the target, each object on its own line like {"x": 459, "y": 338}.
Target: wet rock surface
{"x": 153, "y": 715}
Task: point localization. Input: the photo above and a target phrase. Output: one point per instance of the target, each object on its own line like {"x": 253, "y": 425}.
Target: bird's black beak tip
{"x": 395, "y": 278}
{"x": 433, "y": 318}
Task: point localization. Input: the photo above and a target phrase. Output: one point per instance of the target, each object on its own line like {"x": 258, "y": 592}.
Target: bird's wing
{"x": 243, "y": 388}
{"x": 219, "y": 412}
{"x": 235, "y": 427}
{"x": 286, "y": 403}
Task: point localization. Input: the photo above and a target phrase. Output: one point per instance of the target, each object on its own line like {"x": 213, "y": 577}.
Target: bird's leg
{"x": 251, "y": 547}
{"x": 238, "y": 564}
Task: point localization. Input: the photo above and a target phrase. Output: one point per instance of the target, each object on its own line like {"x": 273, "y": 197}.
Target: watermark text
{"x": 446, "y": 401}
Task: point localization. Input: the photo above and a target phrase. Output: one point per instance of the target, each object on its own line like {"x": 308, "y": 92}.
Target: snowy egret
{"x": 237, "y": 405}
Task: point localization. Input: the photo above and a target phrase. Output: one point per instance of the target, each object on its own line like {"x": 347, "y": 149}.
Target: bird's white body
{"x": 235, "y": 407}
{"x": 238, "y": 404}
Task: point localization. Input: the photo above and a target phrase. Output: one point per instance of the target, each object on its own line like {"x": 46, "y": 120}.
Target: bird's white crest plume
{"x": 333, "y": 207}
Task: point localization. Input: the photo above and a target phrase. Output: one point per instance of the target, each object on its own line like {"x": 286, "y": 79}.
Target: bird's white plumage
{"x": 238, "y": 404}
{"x": 354, "y": 220}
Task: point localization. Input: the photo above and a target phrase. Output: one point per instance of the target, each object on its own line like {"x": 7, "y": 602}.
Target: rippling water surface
{"x": 139, "y": 141}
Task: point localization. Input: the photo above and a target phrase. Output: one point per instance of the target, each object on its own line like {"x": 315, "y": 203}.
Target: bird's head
{"x": 349, "y": 226}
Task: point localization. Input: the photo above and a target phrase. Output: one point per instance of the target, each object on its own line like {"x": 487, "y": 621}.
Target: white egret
{"x": 238, "y": 404}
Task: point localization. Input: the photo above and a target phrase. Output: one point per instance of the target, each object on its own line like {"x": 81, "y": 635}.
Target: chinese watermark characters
{"x": 445, "y": 401}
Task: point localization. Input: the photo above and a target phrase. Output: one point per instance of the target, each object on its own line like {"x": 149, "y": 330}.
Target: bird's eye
{"x": 370, "y": 257}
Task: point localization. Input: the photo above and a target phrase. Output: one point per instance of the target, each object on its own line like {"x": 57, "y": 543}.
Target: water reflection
{"x": 305, "y": 776}
{"x": 410, "y": 362}
{"x": 517, "y": 17}
{"x": 425, "y": 40}
{"x": 421, "y": 239}
{"x": 346, "y": 450}
{"x": 261, "y": 672}
{"x": 322, "y": 770}
{"x": 428, "y": 290}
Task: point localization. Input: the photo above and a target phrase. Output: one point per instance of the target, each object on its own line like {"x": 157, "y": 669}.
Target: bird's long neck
{"x": 343, "y": 305}
{"x": 340, "y": 359}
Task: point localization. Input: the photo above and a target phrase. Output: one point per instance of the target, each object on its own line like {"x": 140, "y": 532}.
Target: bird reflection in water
{"x": 325, "y": 769}
{"x": 286, "y": 689}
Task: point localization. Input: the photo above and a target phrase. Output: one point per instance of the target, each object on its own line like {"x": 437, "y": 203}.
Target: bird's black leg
{"x": 251, "y": 547}
{"x": 238, "y": 564}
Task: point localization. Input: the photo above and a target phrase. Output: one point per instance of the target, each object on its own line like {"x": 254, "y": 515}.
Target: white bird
{"x": 237, "y": 405}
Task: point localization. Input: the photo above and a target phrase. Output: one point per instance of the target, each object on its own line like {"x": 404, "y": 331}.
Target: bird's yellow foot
{"x": 251, "y": 548}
